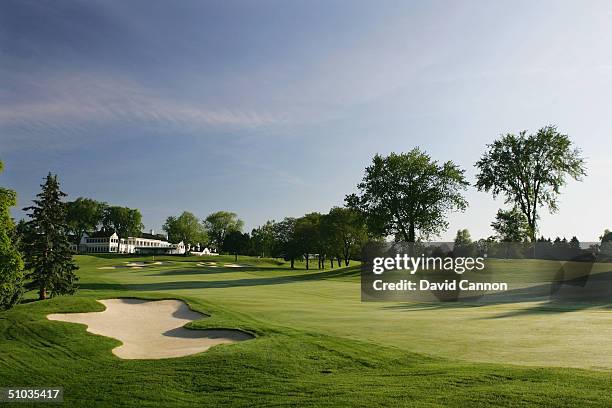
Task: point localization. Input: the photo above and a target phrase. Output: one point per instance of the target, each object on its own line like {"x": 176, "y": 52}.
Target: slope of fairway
{"x": 328, "y": 301}
{"x": 316, "y": 345}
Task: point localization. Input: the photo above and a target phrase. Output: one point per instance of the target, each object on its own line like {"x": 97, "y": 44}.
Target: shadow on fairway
{"x": 207, "y": 270}
{"x": 193, "y": 271}
{"x": 101, "y": 286}
{"x": 278, "y": 280}
{"x": 554, "y": 297}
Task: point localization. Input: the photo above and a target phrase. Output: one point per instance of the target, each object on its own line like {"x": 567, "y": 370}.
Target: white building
{"x": 147, "y": 243}
{"x": 204, "y": 251}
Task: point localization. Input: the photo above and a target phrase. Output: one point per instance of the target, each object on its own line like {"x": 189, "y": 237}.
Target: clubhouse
{"x": 101, "y": 242}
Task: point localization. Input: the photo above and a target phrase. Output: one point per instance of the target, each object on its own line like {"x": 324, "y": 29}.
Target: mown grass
{"x": 316, "y": 345}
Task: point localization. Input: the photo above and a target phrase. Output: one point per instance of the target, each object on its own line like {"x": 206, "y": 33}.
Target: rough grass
{"x": 316, "y": 345}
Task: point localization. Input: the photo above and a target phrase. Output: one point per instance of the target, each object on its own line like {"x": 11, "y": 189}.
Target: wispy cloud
{"x": 68, "y": 105}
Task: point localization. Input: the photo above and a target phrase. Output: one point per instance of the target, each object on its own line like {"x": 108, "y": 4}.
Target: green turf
{"x": 316, "y": 345}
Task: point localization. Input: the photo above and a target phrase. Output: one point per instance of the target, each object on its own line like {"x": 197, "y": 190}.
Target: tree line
{"x": 402, "y": 196}
{"x": 560, "y": 249}
{"x": 335, "y": 236}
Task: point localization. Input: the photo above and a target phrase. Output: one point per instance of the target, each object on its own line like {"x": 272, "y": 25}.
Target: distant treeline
{"x": 559, "y": 249}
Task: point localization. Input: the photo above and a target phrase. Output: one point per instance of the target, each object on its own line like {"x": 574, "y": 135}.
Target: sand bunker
{"x": 122, "y": 267}
{"x": 214, "y": 265}
{"x": 138, "y": 263}
{"x": 207, "y": 264}
{"x": 135, "y": 265}
{"x": 151, "y": 329}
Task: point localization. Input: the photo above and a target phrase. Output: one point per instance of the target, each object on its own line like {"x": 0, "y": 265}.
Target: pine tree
{"x": 48, "y": 255}
{"x": 574, "y": 244}
{"x": 11, "y": 264}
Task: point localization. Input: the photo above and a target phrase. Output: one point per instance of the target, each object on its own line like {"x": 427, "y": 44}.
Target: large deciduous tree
{"x": 346, "y": 231}
{"x": 262, "y": 239}
{"x": 126, "y": 222}
{"x": 529, "y": 170}
{"x": 285, "y": 240}
{"x": 409, "y": 193}
{"x": 308, "y": 235}
{"x": 48, "y": 255}
{"x": 219, "y": 224}
{"x": 236, "y": 243}
{"x": 187, "y": 228}
{"x": 11, "y": 263}
{"x": 84, "y": 215}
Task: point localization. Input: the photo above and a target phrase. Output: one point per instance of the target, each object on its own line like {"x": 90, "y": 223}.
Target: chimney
{"x": 152, "y": 232}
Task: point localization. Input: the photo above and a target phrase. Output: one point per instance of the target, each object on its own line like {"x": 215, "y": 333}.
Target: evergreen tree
{"x": 11, "y": 264}
{"x": 575, "y": 245}
{"x": 561, "y": 249}
{"x": 48, "y": 255}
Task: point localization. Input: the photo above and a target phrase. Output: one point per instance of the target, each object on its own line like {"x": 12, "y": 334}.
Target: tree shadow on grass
{"x": 100, "y": 286}
{"x": 552, "y": 307}
{"x": 276, "y": 280}
{"x": 192, "y": 271}
{"x": 559, "y": 296}
{"x": 207, "y": 270}
{"x": 29, "y": 300}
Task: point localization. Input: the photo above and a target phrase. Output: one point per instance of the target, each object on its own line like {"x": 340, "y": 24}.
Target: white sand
{"x": 135, "y": 265}
{"x": 232, "y": 265}
{"x": 151, "y": 329}
{"x": 145, "y": 263}
{"x": 121, "y": 267}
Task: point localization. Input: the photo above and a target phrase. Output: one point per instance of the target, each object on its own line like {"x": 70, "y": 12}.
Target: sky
{"x": 274, "y": 108}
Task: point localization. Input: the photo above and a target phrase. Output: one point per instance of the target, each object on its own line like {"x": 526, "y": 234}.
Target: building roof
{"x": 100, "y": 234}
{"x": 108, "y": 234}
{"x": 153, "y": 236}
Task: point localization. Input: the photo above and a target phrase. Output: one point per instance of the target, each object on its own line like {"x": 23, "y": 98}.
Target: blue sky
{"x": 274, "y": 108}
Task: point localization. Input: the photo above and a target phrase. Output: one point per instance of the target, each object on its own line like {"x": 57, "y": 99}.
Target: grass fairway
{"x": 316, "y": 345}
